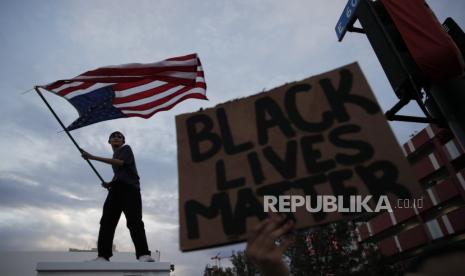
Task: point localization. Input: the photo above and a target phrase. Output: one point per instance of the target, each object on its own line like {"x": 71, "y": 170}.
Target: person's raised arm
{"x": 110, "y": 161}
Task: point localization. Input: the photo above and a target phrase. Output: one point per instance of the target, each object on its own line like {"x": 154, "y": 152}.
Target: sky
{"x": 49, "y": 197}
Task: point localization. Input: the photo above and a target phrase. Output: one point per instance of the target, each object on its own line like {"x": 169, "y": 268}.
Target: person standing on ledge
{"x": 123, "y": 196}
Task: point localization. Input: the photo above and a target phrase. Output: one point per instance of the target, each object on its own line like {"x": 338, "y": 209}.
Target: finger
{"x": 274, "y": 216}
{"x": 284, "y": 245}
{"x": 288, "y": 239}
{"x": 284, "y": 229}
{"x": 257, "y": 229}
{"x": 265, "y": 239}
{"x": 275, "y": 222}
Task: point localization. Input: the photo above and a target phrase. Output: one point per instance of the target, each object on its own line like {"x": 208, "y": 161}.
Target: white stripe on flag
{"x": 151, "y": 98}
{"x": 181, "y": 75}
{"x": 138, "y": 89}
{"x": 174, "y": 74}
{"x": 87, "y": 90}
{"x": 67, "y": 85}
{"x": 171, "y": 101}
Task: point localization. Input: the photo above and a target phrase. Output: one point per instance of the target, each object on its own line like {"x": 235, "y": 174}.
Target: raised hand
{"x": 263, "y": 249}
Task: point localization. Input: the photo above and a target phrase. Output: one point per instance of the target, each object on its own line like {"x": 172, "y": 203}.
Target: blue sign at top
{"x": 347, "y": 18}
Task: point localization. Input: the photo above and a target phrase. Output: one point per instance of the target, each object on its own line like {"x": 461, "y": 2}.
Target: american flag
{"x": 131, "y": 90}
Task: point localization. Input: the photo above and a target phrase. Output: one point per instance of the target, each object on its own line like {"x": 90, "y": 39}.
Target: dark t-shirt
{"x": 127, "y": 173}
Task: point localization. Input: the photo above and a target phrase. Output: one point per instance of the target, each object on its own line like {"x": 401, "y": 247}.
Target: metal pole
{"x": 66, "y": 130}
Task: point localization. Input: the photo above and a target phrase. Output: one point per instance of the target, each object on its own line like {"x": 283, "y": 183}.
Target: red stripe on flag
{"x": 54, "y": 85}
{"x": 201, "y": 85}
{"x": 144, "y": 94}
{"x": 158, "y": 102}
{"x": 68, "y": 90}
{"x": 193, "y": 96}
{"x": 180, "y": 81}
{"x": 127, "y": 85}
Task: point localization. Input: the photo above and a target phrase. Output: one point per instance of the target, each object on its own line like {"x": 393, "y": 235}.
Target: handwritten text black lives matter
{"x": 335, "y": 126}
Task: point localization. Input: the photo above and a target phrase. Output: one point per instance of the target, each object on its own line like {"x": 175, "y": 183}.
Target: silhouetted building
{"x": 438, "y": 162}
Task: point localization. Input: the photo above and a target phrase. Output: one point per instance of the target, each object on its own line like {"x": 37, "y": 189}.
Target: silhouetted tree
{"x": 217, "y": 271}
{"x": 333, "y": 250}
{"x": 242, "y": 266}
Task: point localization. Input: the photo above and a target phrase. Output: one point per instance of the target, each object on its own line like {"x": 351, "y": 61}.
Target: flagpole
{"x": 66, "y": 130}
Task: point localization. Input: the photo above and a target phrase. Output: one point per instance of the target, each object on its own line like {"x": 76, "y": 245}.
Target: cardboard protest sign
{"x": 324, "y": 135}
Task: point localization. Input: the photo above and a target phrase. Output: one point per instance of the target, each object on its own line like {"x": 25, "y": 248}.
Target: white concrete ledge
{"x": 86, "y": 267}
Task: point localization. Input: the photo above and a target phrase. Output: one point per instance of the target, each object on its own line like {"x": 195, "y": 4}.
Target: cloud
{"x": 26, "y": 144}
{"x": 37, "y": 226}
{"x": 17, "y": 190}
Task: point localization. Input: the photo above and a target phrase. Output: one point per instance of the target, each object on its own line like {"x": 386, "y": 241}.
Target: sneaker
{"x": 146, "y": 258}
{"x": 99, "y": 259}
